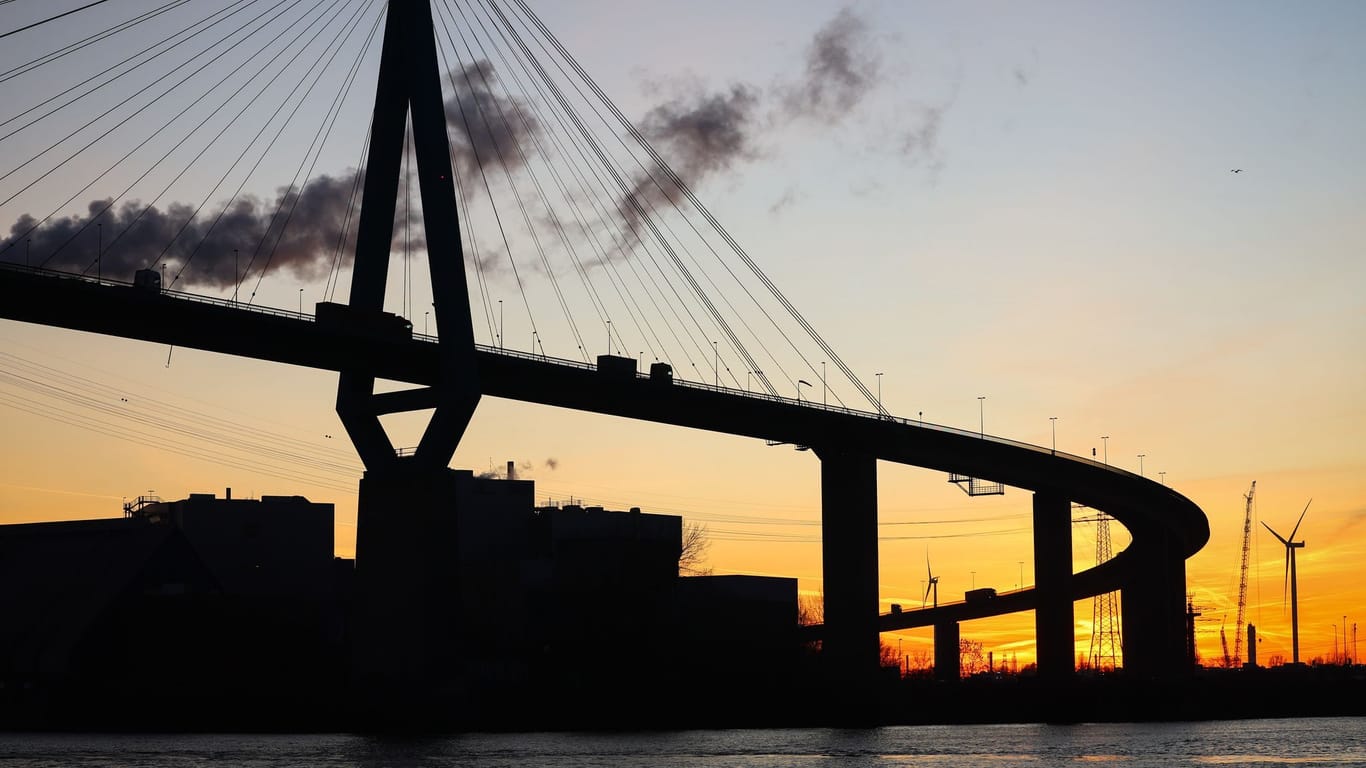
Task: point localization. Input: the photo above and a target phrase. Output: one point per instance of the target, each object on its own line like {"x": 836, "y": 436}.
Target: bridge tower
{"x": 406, "y": 644}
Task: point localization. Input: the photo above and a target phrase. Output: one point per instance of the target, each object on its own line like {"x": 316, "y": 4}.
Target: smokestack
{"x": 512, "y": 471}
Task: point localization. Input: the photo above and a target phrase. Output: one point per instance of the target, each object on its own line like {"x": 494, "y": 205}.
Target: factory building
{"x": 235, "y": 611}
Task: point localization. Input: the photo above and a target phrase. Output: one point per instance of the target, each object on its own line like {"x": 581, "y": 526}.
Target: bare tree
{"x": 693, "y": 553}
{"x": 919, "y": 662}
{"x": 811, "y": 609}
{"x": 971, "y": 660}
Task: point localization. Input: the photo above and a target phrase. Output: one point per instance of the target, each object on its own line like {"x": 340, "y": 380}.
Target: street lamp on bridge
{"x": 981, "y": 416}
{"x": 800, "y": 382}
{"x": 1054, "y": 419}
{"x": 1140, "y": 464}
{"x": 879, "y": 392}
{"x": 1105, "y": 439}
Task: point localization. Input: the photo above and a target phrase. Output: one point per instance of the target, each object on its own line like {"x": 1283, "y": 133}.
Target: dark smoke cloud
{"x": 842, "y": 66}
{"x": 297, "y": 231}
{"x": 700, "y": 135}
{"x": 131, "y": 236}
{"x": 487, "y": 127}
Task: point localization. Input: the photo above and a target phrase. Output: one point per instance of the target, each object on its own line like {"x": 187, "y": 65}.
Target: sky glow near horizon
{"x": 1031, "y": 203}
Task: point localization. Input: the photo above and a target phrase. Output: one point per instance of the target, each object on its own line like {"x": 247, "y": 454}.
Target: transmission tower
{"x": 1106, "y": 645}
{"x": 1242, "y": 580}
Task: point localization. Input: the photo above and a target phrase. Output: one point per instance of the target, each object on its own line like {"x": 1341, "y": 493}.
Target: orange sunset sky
{"x": 1028, "y": 203}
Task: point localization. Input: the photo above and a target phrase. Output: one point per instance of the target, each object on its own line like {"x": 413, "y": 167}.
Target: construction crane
{"x": 1242, "y": 580}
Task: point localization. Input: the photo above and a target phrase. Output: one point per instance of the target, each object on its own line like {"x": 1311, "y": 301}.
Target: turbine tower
{"x": 1290, "y": 546}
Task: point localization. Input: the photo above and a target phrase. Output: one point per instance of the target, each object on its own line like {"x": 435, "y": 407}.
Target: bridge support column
{"x": 947, "y": 659}
{"x": 405, "y": 642}
{"x": 1153, "y": 609}
{"x": 849, "y": 566}
{"x": 1053, "y": 619}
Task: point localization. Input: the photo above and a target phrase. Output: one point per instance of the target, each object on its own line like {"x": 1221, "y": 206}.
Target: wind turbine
{"x": 931, "y": 585}
{"x": 1290, "y": 546}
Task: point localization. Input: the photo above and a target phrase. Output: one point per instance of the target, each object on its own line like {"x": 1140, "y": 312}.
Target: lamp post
{"x": 715, "y": 366}
{"x": 1140, "y": 464}
{"x": 235, "y": 279}
{"x": 879, "y": 392}
{"x": 800, "y": 382}
{"x": 981, "y": 416}
{"x": 609, "y": 337}
{"x": 1020, "y": 584}
{"x": 425, "y": 315}
{"x": 500, "y": 323}
{"x": 1054, "y": 419}
{"x": 1163, "y": 476}
{"x": 1105, "y": 439}
{"x": 824, "y": 399}
{"x": 301, "y": 293}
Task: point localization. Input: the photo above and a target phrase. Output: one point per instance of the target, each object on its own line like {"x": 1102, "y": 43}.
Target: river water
{"x": 1311, "y": 741}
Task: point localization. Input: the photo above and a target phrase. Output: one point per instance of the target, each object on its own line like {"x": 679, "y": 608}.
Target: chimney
{"x": 512, "y": 472}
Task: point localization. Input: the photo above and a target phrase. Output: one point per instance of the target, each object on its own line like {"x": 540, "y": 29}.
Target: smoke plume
{"x": 701, "y": 135}
{"x": 486, "y": 126}
{"x": 298, "y": 230}
{"x": 842, "y": 66}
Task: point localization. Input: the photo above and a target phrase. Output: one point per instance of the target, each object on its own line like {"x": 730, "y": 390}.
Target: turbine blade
{"x": 1277, "y": 535}
{"x": 1297, "y": 522}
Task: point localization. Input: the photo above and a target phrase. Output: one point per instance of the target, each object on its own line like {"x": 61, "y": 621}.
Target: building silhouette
{"x": 228, "y": 613}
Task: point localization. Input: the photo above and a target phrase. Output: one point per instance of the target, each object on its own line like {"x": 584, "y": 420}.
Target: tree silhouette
{"x": 693, "y": 553}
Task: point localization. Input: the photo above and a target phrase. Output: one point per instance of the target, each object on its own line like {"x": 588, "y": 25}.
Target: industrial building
{"x": 225, "y": 612}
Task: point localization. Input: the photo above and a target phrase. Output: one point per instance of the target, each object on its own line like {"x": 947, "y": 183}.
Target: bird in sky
{"x": 1236, "y": 170}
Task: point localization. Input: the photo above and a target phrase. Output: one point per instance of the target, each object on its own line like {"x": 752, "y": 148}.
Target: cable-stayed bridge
{"x": 203, "y": 160}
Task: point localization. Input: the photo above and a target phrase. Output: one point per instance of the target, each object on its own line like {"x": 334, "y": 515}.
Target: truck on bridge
{"x": 375, "y": 324}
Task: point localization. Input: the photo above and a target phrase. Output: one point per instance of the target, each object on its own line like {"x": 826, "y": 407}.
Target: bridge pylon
{"x": 406, "y": 644}
{"x": 849, "y": 566}
{"x": 409, "y": 83}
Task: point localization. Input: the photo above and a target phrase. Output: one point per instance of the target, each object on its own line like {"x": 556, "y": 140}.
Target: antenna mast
{"x": 1242, "y": 580}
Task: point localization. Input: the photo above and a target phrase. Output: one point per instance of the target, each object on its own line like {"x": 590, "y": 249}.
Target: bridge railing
{"x": 804, "y": 403}
{"x": 581, "y": 365}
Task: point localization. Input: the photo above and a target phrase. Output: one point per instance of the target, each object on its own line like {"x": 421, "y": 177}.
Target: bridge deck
{"x": 1149, "y": 510}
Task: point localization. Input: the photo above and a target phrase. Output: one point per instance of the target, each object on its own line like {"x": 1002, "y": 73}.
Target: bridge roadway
{"x": 1165, "y": 527}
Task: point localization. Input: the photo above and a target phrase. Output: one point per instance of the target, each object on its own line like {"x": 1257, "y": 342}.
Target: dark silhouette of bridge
{"x": 400, "y": 578}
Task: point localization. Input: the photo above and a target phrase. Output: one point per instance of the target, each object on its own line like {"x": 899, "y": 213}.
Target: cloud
{"x": 488, "y": 126}
{"x": 843, "y": 65}
{"x": 701, "y": 134}
{"x": 298, "y": 230}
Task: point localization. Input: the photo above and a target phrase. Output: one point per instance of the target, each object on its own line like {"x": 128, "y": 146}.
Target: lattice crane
{"x": 1242, "y": 579}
